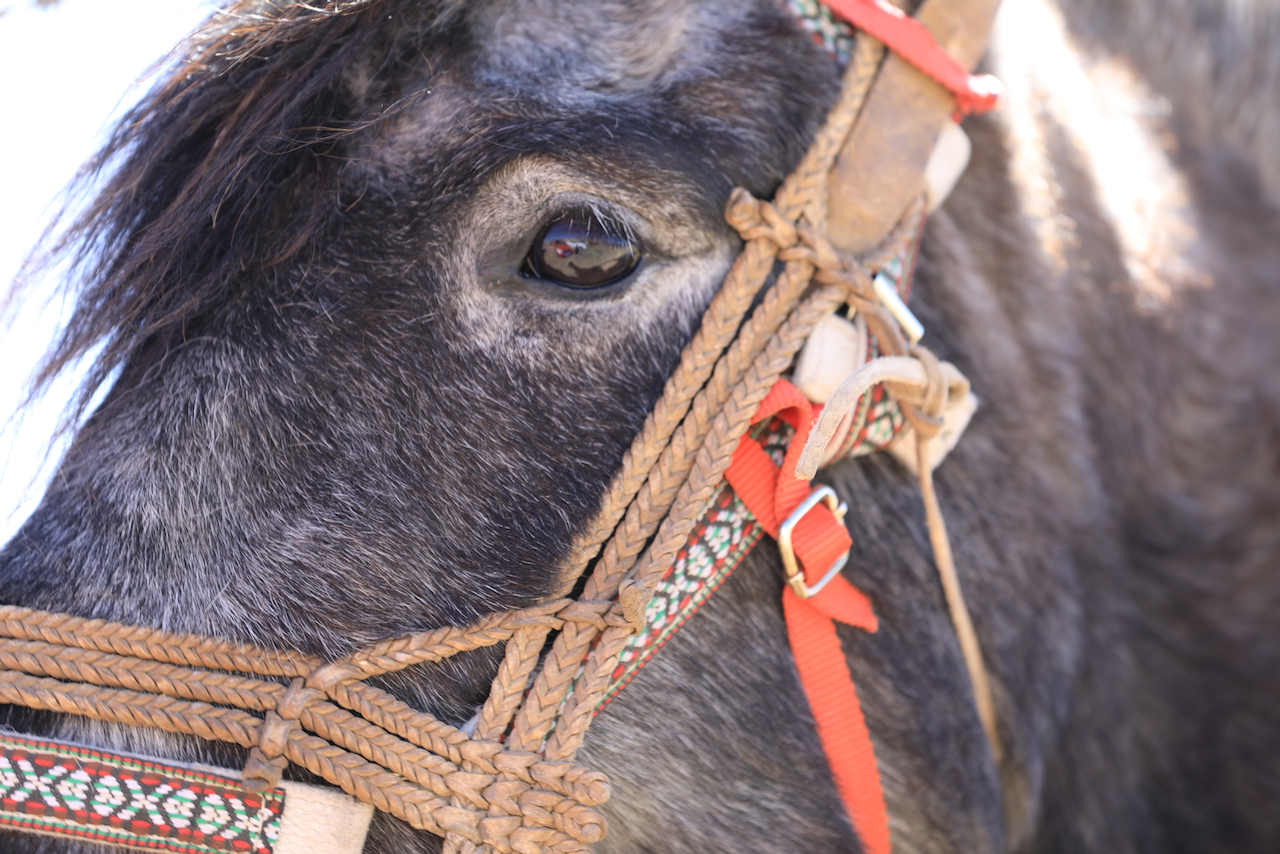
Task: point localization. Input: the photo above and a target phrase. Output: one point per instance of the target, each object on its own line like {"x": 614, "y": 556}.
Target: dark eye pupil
{"x": 581, "y": 253}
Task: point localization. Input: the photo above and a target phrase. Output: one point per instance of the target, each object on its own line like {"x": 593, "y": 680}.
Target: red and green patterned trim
{"x": 723, "y": 538}
{"x": 816, "y": 19}
{"x": 65, "y": 790}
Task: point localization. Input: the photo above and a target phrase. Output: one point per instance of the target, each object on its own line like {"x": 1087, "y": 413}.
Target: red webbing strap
{"x": 912, "y": 41}
{"x": 838, "y": 715}
{"x": 772, "y": 494}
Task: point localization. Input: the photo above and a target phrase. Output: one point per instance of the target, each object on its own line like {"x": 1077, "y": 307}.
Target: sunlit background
{"x": 65, "y": 70}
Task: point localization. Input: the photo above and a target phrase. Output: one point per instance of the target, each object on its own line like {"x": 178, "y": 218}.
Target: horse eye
{"x": 581, "y": 253}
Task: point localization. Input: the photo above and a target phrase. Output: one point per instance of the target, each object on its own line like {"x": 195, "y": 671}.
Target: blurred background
{"x": 66, "y": 69}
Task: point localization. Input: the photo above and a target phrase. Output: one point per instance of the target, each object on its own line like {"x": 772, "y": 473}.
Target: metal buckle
{"x": 888, "y": 293}
{"x": 790, "y": 565}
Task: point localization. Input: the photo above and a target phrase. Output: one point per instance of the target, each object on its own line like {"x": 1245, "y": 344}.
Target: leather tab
{"x": 880, "y": 169}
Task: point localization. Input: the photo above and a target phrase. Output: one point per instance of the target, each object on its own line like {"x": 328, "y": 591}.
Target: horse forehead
{"x": 570, "y": 48}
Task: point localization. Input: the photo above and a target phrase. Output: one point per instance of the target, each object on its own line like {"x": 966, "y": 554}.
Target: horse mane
{"x": 199, "y": 173}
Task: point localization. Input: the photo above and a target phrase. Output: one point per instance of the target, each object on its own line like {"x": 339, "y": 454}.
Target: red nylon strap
{"x": 772, "y": 494}
{"x": 912, "y": 41}
{"x": 838, "y": 715}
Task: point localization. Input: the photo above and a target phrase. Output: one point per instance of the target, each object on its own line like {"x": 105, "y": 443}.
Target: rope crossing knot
{"x": 267, "y": 762}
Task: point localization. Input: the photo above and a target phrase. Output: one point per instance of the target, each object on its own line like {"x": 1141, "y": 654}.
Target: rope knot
{"x": 546, "y": 614}
{"x": 926, "y": 417}
{"x": 742, "y": 211}
{"x": 328, "y": 675}
{"x": 589, "y": 611}
{"x": 266, "y": 762}
{"x": 829, "y": 260}
{"x": 754, "y": 219}
{"x": 634, "y": 598}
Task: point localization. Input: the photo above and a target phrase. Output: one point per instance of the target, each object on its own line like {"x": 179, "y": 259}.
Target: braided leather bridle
{"x": 511, "y": 783}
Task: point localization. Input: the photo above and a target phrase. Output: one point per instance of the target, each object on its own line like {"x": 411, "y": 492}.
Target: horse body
{"x": 346, "y": 414}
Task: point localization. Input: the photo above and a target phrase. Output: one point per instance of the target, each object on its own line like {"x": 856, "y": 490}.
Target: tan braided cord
{"x": 510, "y": 784}
{"x": 768, "y": 231}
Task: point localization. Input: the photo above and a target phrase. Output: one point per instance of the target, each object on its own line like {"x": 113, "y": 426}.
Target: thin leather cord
{"x": 922, "y": 382}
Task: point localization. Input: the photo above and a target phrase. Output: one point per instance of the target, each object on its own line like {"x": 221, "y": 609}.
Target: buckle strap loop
{"x": 815, "y": 545}
{"x": 786, "y": 544}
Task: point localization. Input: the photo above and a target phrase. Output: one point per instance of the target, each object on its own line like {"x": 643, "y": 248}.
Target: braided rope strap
{"x": 510, "y": 785}
{"x": 507, "y": 787}
{"x": 327, "y": 720}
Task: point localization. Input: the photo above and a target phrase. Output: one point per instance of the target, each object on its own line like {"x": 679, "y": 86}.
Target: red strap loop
{"x": 772, "y": 494}
{"x": 912, "y": 41}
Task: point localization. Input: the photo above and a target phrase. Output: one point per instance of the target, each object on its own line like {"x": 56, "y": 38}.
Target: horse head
{"x": 380, "y": 292}
{"x": 348, "y": 377}
{"x": 355, "y": 390}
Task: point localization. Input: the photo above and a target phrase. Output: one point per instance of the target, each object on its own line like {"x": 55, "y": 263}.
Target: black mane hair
{"x": 227, "y": 165}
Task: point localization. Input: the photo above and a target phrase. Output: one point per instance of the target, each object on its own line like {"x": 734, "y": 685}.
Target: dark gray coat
{"x": 345, "y": 414}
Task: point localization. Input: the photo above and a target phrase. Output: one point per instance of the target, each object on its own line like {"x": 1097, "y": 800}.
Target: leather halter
{"x": 510, "y": 784}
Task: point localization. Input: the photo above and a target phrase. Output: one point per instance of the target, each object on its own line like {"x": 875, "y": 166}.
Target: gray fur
{"x": 389, "y": 431}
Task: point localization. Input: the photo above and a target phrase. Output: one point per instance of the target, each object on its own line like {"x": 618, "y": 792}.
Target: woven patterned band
{"x": 63, "y": 789}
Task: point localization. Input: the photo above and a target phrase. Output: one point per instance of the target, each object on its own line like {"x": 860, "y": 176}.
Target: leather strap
{"x": 880, "y": 170}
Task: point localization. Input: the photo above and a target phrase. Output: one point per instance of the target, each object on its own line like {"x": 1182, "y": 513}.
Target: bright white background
{"x": 64, "y": 71}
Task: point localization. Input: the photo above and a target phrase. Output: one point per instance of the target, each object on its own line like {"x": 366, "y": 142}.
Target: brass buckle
{"x": 790, "y": 565}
